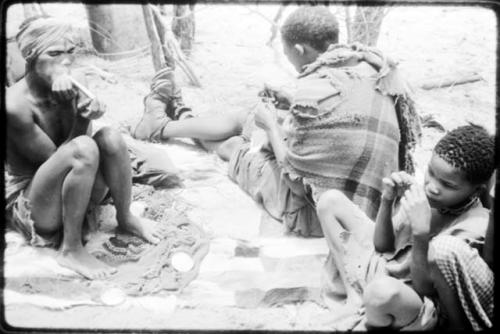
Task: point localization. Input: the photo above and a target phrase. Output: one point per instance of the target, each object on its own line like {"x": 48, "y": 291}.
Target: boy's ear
{"x": 300, "y": 48}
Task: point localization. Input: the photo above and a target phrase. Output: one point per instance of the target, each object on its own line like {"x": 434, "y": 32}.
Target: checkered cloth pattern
{"x": 469, "y": 276}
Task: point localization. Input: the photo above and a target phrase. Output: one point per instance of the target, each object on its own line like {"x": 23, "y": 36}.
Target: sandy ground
{"x": 232, "y": 62}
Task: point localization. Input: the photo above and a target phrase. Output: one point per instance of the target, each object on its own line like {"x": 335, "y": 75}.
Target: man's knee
{"x": 84, "y": 152}
{"x": 381, "y": 293}
{"x": 330, "y": 200}
{"x": 110, "y": 141}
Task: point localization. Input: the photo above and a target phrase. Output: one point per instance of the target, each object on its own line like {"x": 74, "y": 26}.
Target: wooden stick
{"x": 83, "y": 89}
{"x": 156, "y": 50}
{"x": 102, "y": 73}
{"x": 177, "y": 52}
{"x": 274, "y": 26}
{"x": 457, "y": 79}
{"x": 167, "y": 53}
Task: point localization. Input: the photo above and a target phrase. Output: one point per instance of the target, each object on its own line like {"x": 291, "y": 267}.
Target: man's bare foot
{"x": 142, "y": 227}
{"x": 83, "y": 263}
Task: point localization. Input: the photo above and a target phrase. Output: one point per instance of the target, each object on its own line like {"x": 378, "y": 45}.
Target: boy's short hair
{"x": 313, "y": 25}
{"x": 471, "y": 149}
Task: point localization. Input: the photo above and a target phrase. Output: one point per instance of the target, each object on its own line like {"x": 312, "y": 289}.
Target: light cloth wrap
{"x": 38, "y": 35}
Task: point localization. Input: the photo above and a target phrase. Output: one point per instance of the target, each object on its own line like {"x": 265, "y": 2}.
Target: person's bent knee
{"x": 330, "y": 200}
{"x": 110, "y": 141}
{"x": 381, "y": 292}
{"x": 84, "y": 152}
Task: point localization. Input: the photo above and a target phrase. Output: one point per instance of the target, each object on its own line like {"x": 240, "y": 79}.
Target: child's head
{"x": 308, "y": 32}
{"x": 461, "y": 165}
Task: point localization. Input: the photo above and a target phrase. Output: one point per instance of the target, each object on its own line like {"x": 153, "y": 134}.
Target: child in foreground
{"x": 391, "y": 267}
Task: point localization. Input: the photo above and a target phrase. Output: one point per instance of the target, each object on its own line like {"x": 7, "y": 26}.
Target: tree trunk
{"x": 183, "y": 26}
{"x": 365, "y": 28}
{"x": 117, "y": 31}
{"x": 162, "y": 33}
{"x": 156, "y": 44}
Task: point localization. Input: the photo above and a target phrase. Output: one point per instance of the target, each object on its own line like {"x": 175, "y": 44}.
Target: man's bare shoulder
{"x": 17, "y": 106}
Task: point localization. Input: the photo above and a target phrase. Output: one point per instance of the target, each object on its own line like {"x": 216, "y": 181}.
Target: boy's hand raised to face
{"x": 395, "y": 185}
{"x": 417, "y": 209}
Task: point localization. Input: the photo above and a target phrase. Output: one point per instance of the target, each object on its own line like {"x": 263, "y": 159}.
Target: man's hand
{"x": 91, "y": 109}
{"x": 62, "y": 87}
{"x": 418, "y": 210}
{"x": 279, "y": 98}
{"x": 265, "y": 116}
{"x": 395, "y": 185}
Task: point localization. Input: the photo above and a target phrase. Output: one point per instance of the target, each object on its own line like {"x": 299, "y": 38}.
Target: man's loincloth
{"x": 18, "y": 211}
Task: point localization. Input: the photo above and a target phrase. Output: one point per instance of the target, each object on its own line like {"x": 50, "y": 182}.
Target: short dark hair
{"x": 471, "y": 149}
{"x": 313, "y": 25}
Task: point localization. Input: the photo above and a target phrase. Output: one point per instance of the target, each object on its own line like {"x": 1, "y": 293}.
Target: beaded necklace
{"x": 461, "y": 209}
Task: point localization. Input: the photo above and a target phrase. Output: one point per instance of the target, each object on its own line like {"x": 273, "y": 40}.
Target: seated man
{"x": 55, "y": 170}
{"x": 388, "y": 266}
{"x": 350, "y": 123}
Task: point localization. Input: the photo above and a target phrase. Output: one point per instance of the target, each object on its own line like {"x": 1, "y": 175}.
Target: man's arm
{"x": 27, "y": 138}
{"x": 267, "y": 119}
{"x": 81, "y": 125}
{"x": 383, "y": 238}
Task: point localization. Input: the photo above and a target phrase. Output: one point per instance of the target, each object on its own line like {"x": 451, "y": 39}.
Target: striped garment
{"x": 344, "y": 131}
{"x": 468, "y": 275}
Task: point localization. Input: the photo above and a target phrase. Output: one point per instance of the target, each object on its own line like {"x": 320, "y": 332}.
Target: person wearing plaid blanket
{"x": 392, "y": 268}
{"x": 350, "y": 122}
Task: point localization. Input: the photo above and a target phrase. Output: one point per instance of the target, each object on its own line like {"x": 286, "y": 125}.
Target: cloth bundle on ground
{"x": 350, "y": 114}
{"x": 144, "y": 268}
{"x": 151, "y": 165}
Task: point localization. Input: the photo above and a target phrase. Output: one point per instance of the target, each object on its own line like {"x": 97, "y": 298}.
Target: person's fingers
{"x": 388, "y": 182}
{"x": 84, "y": 104}
{"x": 406, "y": 178}
{"x": 396, "y": 177}
{"x": 404, "y": 204}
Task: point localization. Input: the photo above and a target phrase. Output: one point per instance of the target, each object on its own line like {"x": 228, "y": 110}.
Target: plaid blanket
{"x": 351, "y": 124}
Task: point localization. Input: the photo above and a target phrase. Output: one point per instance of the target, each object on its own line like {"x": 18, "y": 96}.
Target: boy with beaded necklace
{"x": 390, "y": 266}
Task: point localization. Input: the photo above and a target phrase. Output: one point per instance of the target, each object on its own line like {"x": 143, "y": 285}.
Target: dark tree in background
{"x": 365, "y": 26}
{"x": 117, "y": 31}
{"x": 183, "y": 26}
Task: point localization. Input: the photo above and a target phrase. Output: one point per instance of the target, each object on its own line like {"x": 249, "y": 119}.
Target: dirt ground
{"x": 232, "y": 62}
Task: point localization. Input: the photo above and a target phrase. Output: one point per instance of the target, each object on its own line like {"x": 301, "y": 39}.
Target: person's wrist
{"x": 387, "y": 198}
{"x": 420, "y": 236}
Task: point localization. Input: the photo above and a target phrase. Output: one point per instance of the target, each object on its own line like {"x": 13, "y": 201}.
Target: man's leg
{"x": 337, "y": 215}
{"x": 390, "y": 303}
{"x": 214, "y": 128}
{"x": 117, "y": 174}
{"x": 59, "y": 195}
{"x": 226, "y": 149}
